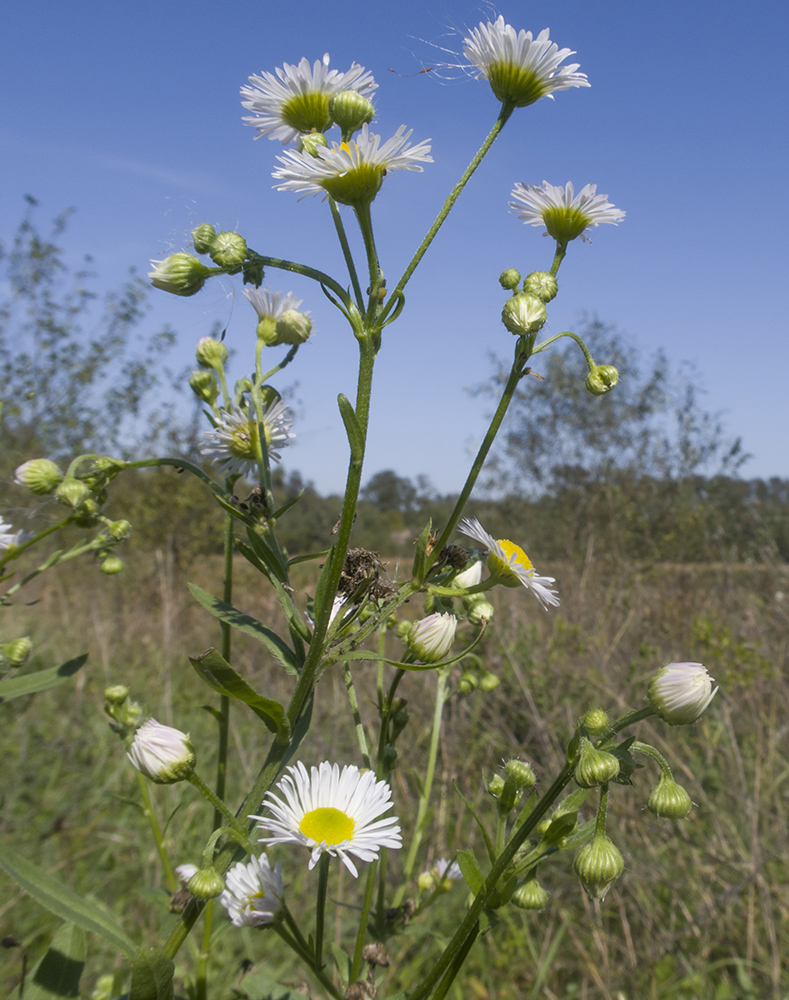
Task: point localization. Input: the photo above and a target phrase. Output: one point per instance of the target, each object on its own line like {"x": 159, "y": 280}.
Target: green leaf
{"x": 248, "y": 625}
{"x": 267, "y": 555}
{"x": 286, "y": 506}
{"x": 58, "y": 972}
{"x": 40, "y": 681}
{"x": 222, "y": 678}
{"x": 420, "y": 553}
{"x": 258, "y": 985}
{"x": 152, "y": 976}
{"x": 470, "y": 870}
{"x": 342, "y": 962}
{"x": 352, "y": 427}
{"x": 60, "y": 900}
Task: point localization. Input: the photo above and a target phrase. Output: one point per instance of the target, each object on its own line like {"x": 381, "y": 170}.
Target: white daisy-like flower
{"x": 162, "y": 753}
{"x": 254, "y": 892}
{"x": 520, "y": 68}
{"x": 10, "y": 539}
{"x": 271, "y": 305}
{"x": 680, "y": 692}
{"x": 351, "y": 172}
{"x": 331, "y": 812}
{"x": 280, "y": 321}
{"x": 296, "y": 100}
{"x": 447, "y": 870}
{"x": 232, "y": 443}
{"x": 431, "y": 638}
{"x": 564, "y": 214}
{"x": 510, "y": 564}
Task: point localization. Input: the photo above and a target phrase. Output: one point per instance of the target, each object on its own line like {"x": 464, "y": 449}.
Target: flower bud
{"x": 292, "y": 327}
{"x": 602, "y": 379}
{"x": 72, "y": 493}
{"x": 204, "y": 385}
{"x": 523, "y": 314}
{"x": 509, "y": 279}
{"x": 598, "y": 865}
{"x": 480, "y": 611}
{"x": 228, "y": 250}
{"x": 595, "y": 721}
{"x": 489, "y": 682}
{"x": 350, "y": 110}
{"x": 425, "y": 882}
{"x": 120, "y": 530}
{"x": 595, "y": 767}
{"x": 496, "y": 785}
{"x": 17, "y": 653}
{"x": 39, "y": 475}
{"x": 542, "y": 284}
{"x": 402, "y": 630}
{"x": 312, "y": 142}
{"x": 116, "y": 694}
{"x": 111, "y": 565}
{"x": 680, "y": 692}
{"x": 530, "y": 895}
{"x": 520, "y": 772}
{"x": 161, "y": 753}
{"x": 206, "y": 883}
{"x": 431, "y": 638}
{"x": 104, "y": 988}
{"x": 185, "y": 872}
{"x": 468, "y": 682}
{"x": 210, "y": 353}
{"x": 468, "y": 577}
{"x": 180, "y": 273}
{"x": 203, "y": 236}
{"x": 668, "y": 799}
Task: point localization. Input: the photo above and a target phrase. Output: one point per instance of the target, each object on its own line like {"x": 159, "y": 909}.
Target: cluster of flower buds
{"x": 183, "y": 274}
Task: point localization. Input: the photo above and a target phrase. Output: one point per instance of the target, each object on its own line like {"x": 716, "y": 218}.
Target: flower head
{"x": 680, "y": 692}
{"x": 520, "y": 68}
{"x": 510, "y": 563}
{"x": 598, "y": 865}
{"x": 180, "y": 273}
{"x": 296, "y": 100}
{"x": 161, "y": 753}
{"x": 431, "y": 638}
{"x": 351, "y": 172}
{"x": 279, "y": 319}
{"x": 39, "y": 475}
{"x": 564, "y": 214}
{"x": 232, "y": 443}
{"x": 333, "y": 812}
{"x": 10, "y": 539}
{"x": 254, "y": 892}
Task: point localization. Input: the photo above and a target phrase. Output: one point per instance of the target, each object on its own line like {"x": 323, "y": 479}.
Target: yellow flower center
{"x": 327, "y": 826}
{"x": 305, "y": 112}
{"x": 243, "y": 440}
{"x": 565, "y": 224}
{"x": 515, "y": 85}
{"x": 503, "y": 567}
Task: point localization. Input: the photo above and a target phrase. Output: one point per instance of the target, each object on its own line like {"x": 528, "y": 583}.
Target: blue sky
{"x": 130, "y": 113}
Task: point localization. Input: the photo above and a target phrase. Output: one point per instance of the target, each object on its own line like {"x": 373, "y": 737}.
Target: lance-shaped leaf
{"x": 58, "y": 971}
{"x": 15, "y": 687}
{"x": 470, "y": 870}
{"x": 222, "y": 678}
{"x": 152, "y": 976}
{"x": 420, "y": 553}
{"x": 250, "y": 626}
{"x": 352, "y": 427}
{"x": 56, "y": 897}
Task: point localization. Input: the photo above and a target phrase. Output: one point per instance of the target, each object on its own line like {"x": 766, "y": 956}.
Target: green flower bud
{"x": 668, "y": 799}
{"x": 402, "y": 630}
{"x": 496, "y": 785}
{"x": 39, "y": 475}
{"x": 120, "y": 530}
{"x": 598, "y": 865}
{"x": 425, "y": 882}
{"x": 530, "y": 895}
{"x": 206, "y": 884}
{"x": 468, "y": 682}
{"x": 116, "y": 694}
{"x": 489, "y": 682}
{"x": 229, "y": 250}
{"x": 431, "y": 638}
{"x": 292, "y": 327}
{"x": 204, "y": 385}
{"x": 542, "y": 284}
{"x": 104, "y": 988}
{"x": 210, "y": 353}
{"x": 111, "y": 565}
{"x": 312, "y": 142}
{"x": 594, "y": 767}
{"x": 350, "y": 110}
{"x": 520, "y": 772}
{"x": 601, "y": 379}
{"x": 509, "y": 279}
{"x": 16, "y": 653}
{"x": 595, "y": 721}
{"x": 72, "y": 493}
{"x": 203, "y": 236}
{"x": 523, "y": 314}
{"x": 399, "y": 722}
{"x": 680, "y": 692}
{"x": 390, "y": 757}
{"x": 161, "y": 753}
{"x": 180, "y": 273}
{"x": 479, "y": 612}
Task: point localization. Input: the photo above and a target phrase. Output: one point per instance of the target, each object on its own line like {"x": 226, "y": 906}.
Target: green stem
{"x": 294, "y": 940}
{"x": 219, "y": 807}
{"x": 156, "y": 830}
{"x": 320, "y": 907}
{"x": 224, "y": 700}
{"x": 456, "y": 964}
{"x": 369, "y": 890}
{"x": 357, "y": 718}
{"x": 424, "y": 799}
{"x": 308, "y": 272}
{"x": 16, "y": 552}
{"x": 346, "y": 252}
{"x": 201, "y": 972}
{"x": 454, "y": 194}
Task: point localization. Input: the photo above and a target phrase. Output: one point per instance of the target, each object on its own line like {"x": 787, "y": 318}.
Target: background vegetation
{"x": 661, "y": 553}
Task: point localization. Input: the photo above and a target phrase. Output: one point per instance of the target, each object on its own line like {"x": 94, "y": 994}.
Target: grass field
{"x": 702, "y": 911}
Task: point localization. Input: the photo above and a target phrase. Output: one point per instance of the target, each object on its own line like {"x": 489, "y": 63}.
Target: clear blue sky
{"x": 130, "y": 112}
